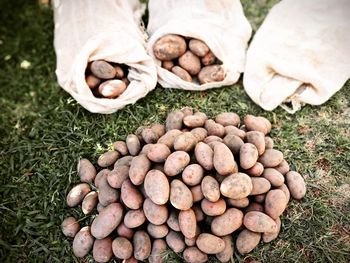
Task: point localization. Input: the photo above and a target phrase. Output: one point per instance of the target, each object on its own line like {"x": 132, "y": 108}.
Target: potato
{"x": 228, "y": 118}
{"x": 185, "y": 142}
{"x": 176, "y": 163}
{"x": 86, "y": 171}
{"x": 157, "y": 187}
{"x": 122, "y": 248}
{"x": 286, "y": 192}
{"x": 233, "y": 142}
{"x": 117, "y": 176}
{"x": 240, "y": 203}
{"x": 258, "y": 139}
{"x": 77, "y": 194}
{"x": 210, "y": 244}
{"x": 119, "y": 72}
{"x": 196, "y": 120}
{"x": 106, "y": 194}
{"x": 101, "y": 176}
{"x": 190, "y": 62}
{"x": 124, "y": 231}
{"x": 268, "y": 237}
{"x": 192, "y": 241}
{"x": 89, "y": 202}
{"x": 92, "y": 81}
{"x": 236, "y": 186}
{"x": 208, "y": 59}
{"x": 230, "y": 129}
{"x": 180, "y": 196}
{"x": 275, "y": 203}
{"x": 175, "y": 241}
{"x": 256, "y": 170}
{"x": 107, "y": 220}
{"x": 83, "y": 242}
{"x": 112, "y": 88}
{"x": 268, "y": 142}
{"x": 142, "y": 245}
{"x": 145, "y": 149}
{"x": 108, "y": 158}
{"x": 227, "y": 253}
{"x": 158, "y": 248}
{"x": 198, "y": 212}
{"x": 283, "y": 167}
{"x": 181, "y": 73}
{"x": 198, "y": 47}
{"x": 133, "y": 144}
{"x": 271, "y": 158}
{"x": 169, "y": 47}
{"x": 99, "y": 207}
{"x": 130, "y": 195}
{"x": 197, "y": 194}
{"x": 213, "y": 208}
{"x": 254, "y": 207}
{"x": 130, "y": 260}
{"x": 259, "y": 222}
{"x": 259, "y": 198}
{"x": 212, "y": 138}
{"x": 275, "y": 177}
{"x": 157, "y": 231}
{"x": 134, "y": 218}
{"x": 192, "y": 175}
{"x": 296, "y": 185}
{"x": 156, "y": 214}
{"x": 102, "y": 250}
{"x": 102, "y": 69}
{"x": 126, "y": 160}
{"x": 158, "y": 153}
{"x": 212, "y": 73}
{"x": 210, "y": 188}
{"x": 70, "y": 227}
{"x": 200, "y": 133}
{"x": 188, "y": 223}
{"x": 223, "y": 160}
{"x": 174, "y": 120}
{"x": 149, "y": 136}
{"x": 167, "y": 64}
{"x": 159, "y": 129}
{"x": 173, "y": 221}
{"x": 247, "y": 241}
{"x": 260, "y": 185}
{"x": 169, "y": 137}
{"x": 261, "y": 124}
{"x": 214, "y": 128}
{"x": 248, "y": 155}
{"x": 227, "y": 223}
{"x": 204, "y": 155}
{"x": 194, "y": 255}
{"x": 139, "y": 167}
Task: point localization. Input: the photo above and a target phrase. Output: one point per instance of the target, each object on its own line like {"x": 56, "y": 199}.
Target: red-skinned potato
{"x": 122, "y": 248}
{"x": 194, "y": 255}
{"x": 102, "y": 250}
{"x": 86, "y": 171}
{"x": 158, "y": 248}
{"x": 77, "y": 194}
{"x": 83, "y": 242}
{"x": 210, "y": 244}
{"x": 156, "y": 214}
{"x": 247, "y": 241}
{"x": 296, "y": 185}
{"x": 134, "y": 218}
{"x": 169, "y": 47}
{"x": 142, "y": 245}
{"x": 70, "y": 227}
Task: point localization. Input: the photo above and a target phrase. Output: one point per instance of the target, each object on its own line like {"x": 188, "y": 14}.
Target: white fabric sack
{"x": 300, "y": 54}
{"x": 87, "y": 30}
{"x": 220, "y": 24}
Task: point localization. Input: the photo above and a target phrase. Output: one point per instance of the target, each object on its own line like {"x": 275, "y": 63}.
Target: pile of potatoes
{"x": 105, "y": 79}
{"x": 189, "y": 59}
{"x": 187, "y": 185}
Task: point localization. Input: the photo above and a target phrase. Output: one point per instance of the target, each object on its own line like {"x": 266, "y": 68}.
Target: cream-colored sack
{"x": 87, "y": 30}
{"x": 221, "y": 24}
{"x": 300, "y": 54}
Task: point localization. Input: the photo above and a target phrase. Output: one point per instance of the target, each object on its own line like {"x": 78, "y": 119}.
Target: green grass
{"x": 43, "y": 132}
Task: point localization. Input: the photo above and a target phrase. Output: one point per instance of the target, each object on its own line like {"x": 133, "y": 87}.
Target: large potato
{"x": 286, "y": 192}
{"x": 86, "y": 171}
{"x": 223, "y": 160}
{"x": 122, "y": 248}
{"x": 77, "y": 194}
{"x": 156, "y": 214}
{"x": 112, "y": 88}
{"x": 248, "y": 155}
{"x": 197, "y": 194}
{"x": 258, "y": 139}
{"x": 230, "y": 129}
{"x": 210, "y": 244}
{"x": 180, "y": 196}
{"x": 213, "y": 73}
{"x": 190, "y": 62}
{"x": 236, "y": 186}
{"x": 196, "y": 120}
{"x": 247, "y": 241}
{"x": 169, "y": 137}
{"x": 134, "y": 218}
{"x": 174, "y": 120}
{"x": 102, "y": 250}
{"x": 233, "y": 142}
{"x": 124, "y": 231}
{"x": 296, "y": 185}
{"x": 253, "y": 123}
{"x": 188, "y": 223}
{"x": 142, "y": 245}
{"x": 260, "y": 185}
{"x": 227, "y": 223}
{"x": 185, "y": 142}
{"x": 283, "y": 167}
{"x": 158, "y": 248}
{"x": 102, "y": 69}
{"x": 83, "y": 242}
{"x": 227, "y": 253}
{"x": 175, "y": 241}
{"x": 107, "y": 194}
{"x": 108, "y": 158}
{"x": 173, "y": 221}
{"x": 213, "y": 208}
{"x": 275, "y": 203}
{"x": 204, "y": 155}
{"x": 268, "y": 237}
{"x": 193, "y": 174}
{"x": 275, "y": 177}
{"x": 271, "y": 158}
{"x": 214, "y": 128}
{"x": 130, "y": 195}
{"x": 158, "y": 153}
{"x": 256, "y": 170}
{"x": 70, "y": 227}
{"x": 157, "y": 231}
{"x": 169, "y": 47}
{"x": 210, "y": 188}
{"x": 198, "y": 47}
{"x": 117, "y": 176}
{"x": 89, "y": 202}
{"x": 240, "y": 203}
{"x": 157, "y": 187}
{"x": 107, "y": 221}
{"x": 259, "y": 222}
{"x": 133, "y": 144}
{"x": 228, "y": 118}
{"x": 194, "y": 255}
{"x": 139, "y": 167}
{"x": 176, "y": 163}
{"x": 120, "y": 146}
{"x": 199, "y": 133}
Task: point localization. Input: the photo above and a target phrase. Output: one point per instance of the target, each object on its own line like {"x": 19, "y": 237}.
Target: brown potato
{"x": 227, "y": 223}
{"x": 70, "y": 227}
{"x": 194, "y": 255}
{"x": 102, "y": 69}
{"x": 260, "y": 185}
{"x": 180, "y": 196}
{"x": 228, "y": 118}
{"x": 283, "y": 167}
{"x": 208, "y": 59}
{"x": 268, "y": 142}
{"x": 230, "y": 129}
{"x": 286, "y": 192}
{"x": 117, "y": 176}
{"x": 223, "y": 160}
{"x": 247, "y": 241}
{"x": 190, "y": 62}
{"x": 83, "y": 242}
{"x": 275, "y": 203}
{"x": 102, "y": 250}
{"x": 158, "y": 128}
{"x": 124, "y": 231}
{"x": 169, "y": 47}
{"x": 196, "y": 120}
{"x": 212, "y": 138}
{"x": 107, "y": 220}
{"x": 156, "y": 214}
{"x": 204, "y": 155}
{"x": 112, "y": 88}
{"x": 106, "y": 194}
{"x": 256, "y": 170}
{"x": 214, "y": 128}
{"x": 149, "y": 136}
{"x": 227, "y": 253}
{"x": 181, "y": 73}
{"x": 77, "y": 194}
{"x": 198, "y": 47}
{"x": 122, "y": 248}
{"x": 175, "y": 241}
{"x": 233, "y": 142}
{"x": 271, "y": 158}
{"x": 158, "y": 153}
{"x": 174, "y": 120}
{"x": 240, "y": 203}
{"x": 158, "y": 248}
{"x": 261, "y": 124}
{"x": 248, "y": 155}
{"x": 210, "y": 244}
{"x": 101, "y": 176}
{"x": 169, "y": 137}
{"x": 86, "y": 171}
{"x": 133, "y": 144}
{"x": 213, "y": 208}
{"x": 89, "y": 202}
{"x": 125, "y": 160}
{"x": 213, "y": 73}
{"x": 254, "y": 207}
{"x": 185, "y": 142}
{"x": 139, "y": 167}
{"x": 157, "y": 231}
{"x": 197, "y": 194}
{"x": 275, "y": 177}
{"x": 296, "y": 185}
{"x": 157, "y": 187}
{"x": 131, "y": 196}
{"x": 259, "y": 222}
{"x": 236, "y": 186}
{"x": 210, "y": 188}
{"x": 92, "y": 81}
{"x": 192, "y": 175}
{"x": 188, "y": 223}
{"x": 200, "y": 133}
{"x": 142, "y": 245}
{"x": 198, "y": 212}
{"x": 134, "y": 218}
{"x": 168, "y": 64}
{"x": 121, "y": 147}
{"x": 258, "y": 139}
{"x": 173, "y": 221}
{"x": 108, "y": 158}
{"x": 268, "y": 237}
{"x": 176, "y": 163}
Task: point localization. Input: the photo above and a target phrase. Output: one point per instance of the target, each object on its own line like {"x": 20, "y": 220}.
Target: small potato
{"x": 223, "y": 160}
{"x": 174, "y": 120}
{"x": 233, "y": 142}
{"x": 92, "y": 81}
{"x": 213, "y": 208}
{"x": 194, "y": 255}
{"x": 106, "y": 194}
{"x": 190, "y": 62}
{"x": 83, "y": 242}
{"x": 159, "y": 129}
{"x": 268, "y": 237}
{"x": 187, "y": 111}
{"x": 119, "y": 72}
{"x": 212, "y": 138}
{"x": 210, "y": 244}
{"x": 86, "y": 171}
{"x": 70, "y": 227}
{"x": 180, "y": 196}
{"x": 259, "y": 198}
{"x": 275, "y": 203}
{"x": 199, "y": 133}
{"x": 169, "y": 137}
{"x": 247, "y": 241}
{"x": 210, "y": 188}
{"x": 145, "y": 149}
{"x": 283, "y": 167}
{"x": 185, "y": 142}
{"x": 124, "y": 231}
{"x": 139, "y": 167}
{"x": 196, "y": 120}
{"x": 198, "y": 47}
{"x": 227, "y": 253}
{"x": 286, "y": 192}
{"x": 259, "y": 222}
{"x": 156, "y": 214}
{"x": 219, "y": 177}
{"x": 134, "y": 218}
{"x": 254, "y": 207}
{"x": 133, "y": 144}
{"x": 158, "y": 248}
{"x": 260, "y": 185}
{"x": 125, "y": 160}
{"x": 199, "y": 213}
{"x": 208, "y": 59}
{"x": 228, "y": 118}
{"x": 204, "y": 155}
{"x": 256, "y": 170}
{"x": 175, "y": 241}
{"x": 248, "y": 155}
{"x": 101, "y": 176}
{"x": 112, "y": 88}
{"x": 77, "y": 194}
{"x": 157, "y": 187}
{"x": 275, "y": 177}
{"x": 197, "y": 194}
{"x": 168, "y": 64}
{"x": 142, "y": 245}
{"x": 236, "y": 186}
{"x": 271, "y": 158}
{"x": 158, "y": 153}
{"x": 235, "y": 131}
{"x": 181, "y": 73}
{"x": 107, "y": 220}
{"x": 120, "y": 146}
{"x": 227, "y": 223}
{"x": 192, "y": 175}
{"x": 122, "y": 248}
{"x": 188, "y": 223}
{"x": 253, "y": 123}
{"x": 130, "y": 195}
{"x": 157, "y": 231}
{"x": 296, "y": 185}
{"x": 117, "y": 176}
{"x": 169, "y": 47}
{"x": 102, "y": 250}
{"x": 176, "y": 163}
{"x": 130, "y": 260}
{"x": 268, "y": 143}
{"x": 149, "y": 136}
{"x": 214, "y": 128}
{"x": 240, "y": 203}
{"x": 102, "y": 69}
{"x": 258, "y": 139}
{"x": 209, "y": 74}
{"x": 89, "y": 202}
{"x": 173, "y": 221}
